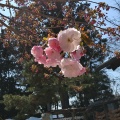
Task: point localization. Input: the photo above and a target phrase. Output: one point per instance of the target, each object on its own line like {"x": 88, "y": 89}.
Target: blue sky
{"x": 112, "y": 15}
{"x": 113, "y": 75}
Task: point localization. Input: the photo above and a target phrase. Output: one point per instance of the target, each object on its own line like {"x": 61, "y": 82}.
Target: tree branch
{"x": 4, "y": 16}
{"x": 106, "y": 30}
{"x": 9, "y": 6}
{"x": 10, "y": 9}
{"x": 106, "y": 64}
{"x": 111, "y": 21}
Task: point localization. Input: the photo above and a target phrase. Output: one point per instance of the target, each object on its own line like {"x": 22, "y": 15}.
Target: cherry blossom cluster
{"x": 64, "y": 51}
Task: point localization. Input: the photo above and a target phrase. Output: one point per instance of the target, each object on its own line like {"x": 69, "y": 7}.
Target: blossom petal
{"x": 52, "y": 54}
{"x": 37, "y": 51}
{"x": 69, "y": 39}
{"x": 71, "y": 68}
{"x": 54, "y": 43}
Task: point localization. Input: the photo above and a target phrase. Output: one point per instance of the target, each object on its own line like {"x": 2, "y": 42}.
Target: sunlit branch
{"x": 106, "y": 30}
{"x": 9, "y": 27}
{"x": 81, "y": 1}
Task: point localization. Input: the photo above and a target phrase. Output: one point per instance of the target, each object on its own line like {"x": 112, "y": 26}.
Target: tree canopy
{"x": 33, "y": 23}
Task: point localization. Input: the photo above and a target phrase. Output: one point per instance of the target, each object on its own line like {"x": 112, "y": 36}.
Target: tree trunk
{"x": 64, "y": 101}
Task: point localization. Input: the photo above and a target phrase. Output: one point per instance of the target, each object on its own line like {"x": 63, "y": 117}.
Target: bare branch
{"x": 10, "y": 9}
{"x": 9, "y": 6}
{"x": 111, "y": 21}
{"x": 4, "y": 16}
{"x": 118, "y": 4}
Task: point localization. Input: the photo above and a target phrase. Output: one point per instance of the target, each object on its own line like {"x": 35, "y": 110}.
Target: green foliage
{"x": 88, "y": 88}
{"x": 17, "y": 102}
{"x": 40, "y": 88}
{"x": 9, "y": 72}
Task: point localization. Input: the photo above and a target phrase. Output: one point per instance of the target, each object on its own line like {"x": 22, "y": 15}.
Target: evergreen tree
{"x": 91, "y": 88}
{"x": 9, "y": 71}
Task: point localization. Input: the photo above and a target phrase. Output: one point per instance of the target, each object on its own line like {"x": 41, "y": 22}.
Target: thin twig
{"x": 9, "y": 6}
{"x": 106, "y": 30}
{"x": 10, "y": 9}
{"x": 111, "y": 21}
{"x": 4, "y": 16}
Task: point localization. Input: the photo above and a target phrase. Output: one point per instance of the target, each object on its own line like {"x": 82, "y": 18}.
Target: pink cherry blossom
{"x": 82, "y": 71}
{"x": 52, "y": 54}
{"x": 69, "y": 39}
{"x": 54, "y": 43}
{"x": 51, "y": 63}
{"x": 67, "y": 43}
{"x": 71, "y": 68}
{"x": 77, "y": 54}
{"x": 37, "y": 51}
{"x": 41, "y": 59}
